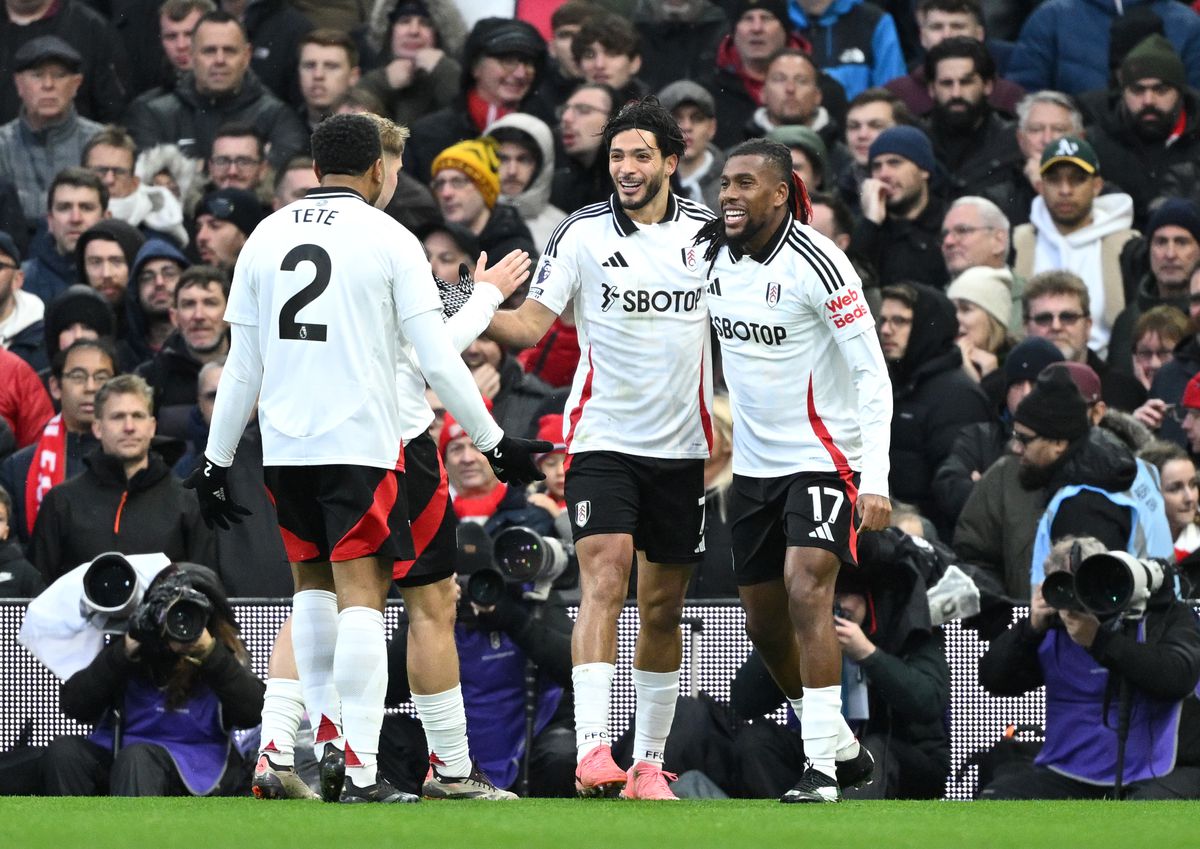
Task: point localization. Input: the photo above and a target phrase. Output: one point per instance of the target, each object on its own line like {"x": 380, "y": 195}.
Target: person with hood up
{"x": 934, "y": 398}
{"x": 1073, "y": 227}
{"x": 156, "y": 270}
{"x": 417, "y": 42}
{"x": 526, "y": 152}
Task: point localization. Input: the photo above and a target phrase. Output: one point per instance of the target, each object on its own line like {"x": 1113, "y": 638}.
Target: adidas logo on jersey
{"x": 615, "y": 261}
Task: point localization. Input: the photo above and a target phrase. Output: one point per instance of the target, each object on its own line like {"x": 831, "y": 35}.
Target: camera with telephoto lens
{"x": 172, "y": 609}
{"x": 1112, "y": 583}
{"x": 520, "y": 555}
{"x": 111, "y": 591}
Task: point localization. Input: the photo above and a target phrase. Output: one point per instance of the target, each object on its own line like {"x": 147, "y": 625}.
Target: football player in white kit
{"x": 325, "y": 293}
{"x": 636, "y": 428}
{"x": 812, "y": 407}
{"x": 434, "y": 663}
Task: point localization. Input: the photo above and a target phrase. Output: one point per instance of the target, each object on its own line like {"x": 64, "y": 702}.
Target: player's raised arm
{"x": 510, "y": 457}
{"x": 522, "y": 327}
{"x": 491, "y": 286}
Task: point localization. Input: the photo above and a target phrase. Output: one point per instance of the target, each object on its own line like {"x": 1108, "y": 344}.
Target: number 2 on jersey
{"x": 289, "y": 328}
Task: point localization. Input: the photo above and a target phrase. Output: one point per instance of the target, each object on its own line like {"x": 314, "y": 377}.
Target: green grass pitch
{"x": 569, "y": 824}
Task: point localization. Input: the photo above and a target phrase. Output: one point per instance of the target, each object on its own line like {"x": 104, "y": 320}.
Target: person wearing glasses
{"x": 238, "y": 159}
{"x": 975, "y": 232}
{"x": 201, "y": 336}
{"x": 1172, "y": 242}
{"x": 1058, "y": 307}
{"x": 126, "y": 499}
{"x": 111, "y": 155}
{"x": 1066, "y": 475}
{"x": 502, "y": 63}
{"x": 582, "y": 175}
{"x": 466, "y": 186}
{"x": 1073, "y": 227}
{"x": 155, "y": 272}
{"x": 47, "y": 135}
{"x": 57, "y": 452}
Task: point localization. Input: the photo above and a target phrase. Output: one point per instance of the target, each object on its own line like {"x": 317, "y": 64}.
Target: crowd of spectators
{"x": 1018, "y": 186}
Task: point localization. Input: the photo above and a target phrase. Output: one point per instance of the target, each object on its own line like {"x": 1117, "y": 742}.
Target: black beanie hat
{"x": 1054, "y": 409}
{"x": 1028, "y": 357}
{"x": 79, "y": 304}
{"x": 123, "y": 233}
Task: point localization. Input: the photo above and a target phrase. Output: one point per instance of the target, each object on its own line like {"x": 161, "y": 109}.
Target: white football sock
{"x": 592, "y": 683}
{"x": 445, "y": 721}
{"x": 360, "y": 673}
{"x": 847, "y": 743}
{"x": 798, "y": 708}
{"x": 656, "y": 694}
{"x": 283, "y": 707}
{"x": 819, "y": 728}
{"x": 314, "y": 638}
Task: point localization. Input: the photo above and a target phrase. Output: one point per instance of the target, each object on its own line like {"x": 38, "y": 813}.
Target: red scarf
{"x": 480, "y": 506}
{"x": 48, "y": 469}
{"x": 483, "y": 113}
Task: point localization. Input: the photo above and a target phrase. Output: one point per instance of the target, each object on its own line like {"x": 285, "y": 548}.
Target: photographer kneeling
{"x": 1134, "y": 669}
{"x": 164, "y": 699}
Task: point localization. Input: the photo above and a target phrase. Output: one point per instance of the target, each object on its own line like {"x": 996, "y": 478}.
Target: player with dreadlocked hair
{"x": 779, "y": 158}
{"x": 812, "y": 410}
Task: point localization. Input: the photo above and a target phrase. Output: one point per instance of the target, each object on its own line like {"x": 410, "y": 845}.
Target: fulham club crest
{"x": 772, "y": 294}
{"x": 583, "y": 512}
{"x": 689, "y": 258}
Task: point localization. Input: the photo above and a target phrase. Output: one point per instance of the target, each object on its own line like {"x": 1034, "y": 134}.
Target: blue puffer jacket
{"x": 1064, "y": 43}
{"x": 855, "y": 42}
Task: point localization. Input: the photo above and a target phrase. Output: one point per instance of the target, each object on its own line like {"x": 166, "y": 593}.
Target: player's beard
{"x": 652, "y": 186}
{"x": 753, "y": 228}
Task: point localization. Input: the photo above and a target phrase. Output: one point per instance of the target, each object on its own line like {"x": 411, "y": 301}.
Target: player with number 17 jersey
{"x": 781, "y": 317}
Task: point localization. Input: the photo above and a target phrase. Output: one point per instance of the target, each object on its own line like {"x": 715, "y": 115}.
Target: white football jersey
{"x": 780, "y": 316}
{"x": 644, "y": 381}
{"x": 327, "y": 281}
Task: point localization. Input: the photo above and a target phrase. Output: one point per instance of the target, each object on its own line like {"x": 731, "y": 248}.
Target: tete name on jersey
{"x": 311, "y": 215}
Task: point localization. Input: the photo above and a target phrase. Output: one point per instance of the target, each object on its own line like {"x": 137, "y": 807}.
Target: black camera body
{"x": 172, "y": 609}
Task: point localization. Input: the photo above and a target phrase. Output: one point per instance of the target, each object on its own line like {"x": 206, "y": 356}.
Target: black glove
{"x": 512, "y": 459}
{"x": 216, "y": 507}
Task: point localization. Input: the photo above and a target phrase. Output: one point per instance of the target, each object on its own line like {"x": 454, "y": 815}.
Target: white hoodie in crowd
{"x": 1080, "y": 253}
{"x": 534, "y": 203}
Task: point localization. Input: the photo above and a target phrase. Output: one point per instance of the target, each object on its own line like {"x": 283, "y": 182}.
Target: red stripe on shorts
{"x": 426, "y": 525}
{"x": 369, "y": 532}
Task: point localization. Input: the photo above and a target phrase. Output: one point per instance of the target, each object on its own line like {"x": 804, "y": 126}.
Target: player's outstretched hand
{"x": 512, "y": 459}
{"x": 216, "y": 507}
{"x": 507, "y": 274}
{"x": 875, "y": 512}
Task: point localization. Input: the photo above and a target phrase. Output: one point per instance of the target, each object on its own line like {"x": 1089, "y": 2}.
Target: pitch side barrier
{"x": 715, "y": 644}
